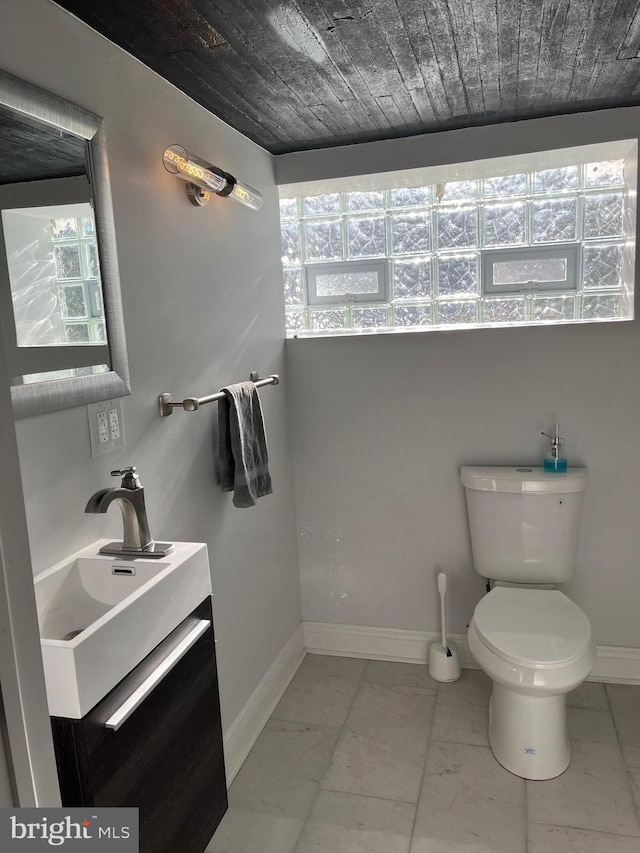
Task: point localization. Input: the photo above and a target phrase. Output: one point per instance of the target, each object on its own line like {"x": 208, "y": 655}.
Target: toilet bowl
{"x": 536, "y": 647}
{"x": 532, "y": 641}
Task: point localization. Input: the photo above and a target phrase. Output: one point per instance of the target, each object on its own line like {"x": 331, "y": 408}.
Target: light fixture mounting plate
{"x": 197, "y": 196}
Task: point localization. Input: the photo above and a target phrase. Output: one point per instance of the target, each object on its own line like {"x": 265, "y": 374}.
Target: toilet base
{"x": 528, "y": 734}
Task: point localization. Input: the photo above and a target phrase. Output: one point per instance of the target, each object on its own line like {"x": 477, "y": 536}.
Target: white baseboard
{"x": 361, "y": 641}
{"x": 615, "y": 664}
{"x": 241, "y": 735}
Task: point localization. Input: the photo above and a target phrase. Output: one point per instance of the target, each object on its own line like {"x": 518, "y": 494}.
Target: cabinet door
{"x": 166, "y": 757}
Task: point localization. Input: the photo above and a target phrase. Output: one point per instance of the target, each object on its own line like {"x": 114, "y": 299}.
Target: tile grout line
{"x": 627, "y": 774}
{"x": 526, "y": 815}
{"x": 526, "y": 808}
{"x": 424, "y": 768}
{"x": 368, "y": 796}
{"x": 320, "y": 788}
{"x": 584, "y": 829}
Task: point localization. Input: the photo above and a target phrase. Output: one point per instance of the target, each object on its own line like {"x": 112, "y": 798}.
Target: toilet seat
{"x": 539, "y": 628}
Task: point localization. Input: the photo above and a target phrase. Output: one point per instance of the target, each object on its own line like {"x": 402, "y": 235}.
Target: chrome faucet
{"x": 130, "y": 498}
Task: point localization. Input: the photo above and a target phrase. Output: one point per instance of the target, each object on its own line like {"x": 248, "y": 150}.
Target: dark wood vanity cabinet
{"x": 166, "y": 758}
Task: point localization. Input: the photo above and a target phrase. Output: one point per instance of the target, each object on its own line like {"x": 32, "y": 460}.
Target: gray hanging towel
{"x": 242, "y": 445}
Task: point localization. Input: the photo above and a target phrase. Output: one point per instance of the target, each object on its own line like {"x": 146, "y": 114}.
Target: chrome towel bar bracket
{"x": 192, "y": 404}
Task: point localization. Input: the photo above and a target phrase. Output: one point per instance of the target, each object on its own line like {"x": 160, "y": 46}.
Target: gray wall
{"x": 202, "y": 304}
{"x": 381, "y": 425}
{"x": 6, "y": 792}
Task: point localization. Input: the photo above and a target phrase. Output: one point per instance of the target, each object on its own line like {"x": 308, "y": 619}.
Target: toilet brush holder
{"x": 443, "y": 663}
{"x": 443, "y": 657}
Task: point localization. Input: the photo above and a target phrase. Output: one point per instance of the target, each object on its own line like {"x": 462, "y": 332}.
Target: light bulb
{"x": 192, "y": 169}
{"x": 180, "y": 162}
{"x": 247, "y": 195}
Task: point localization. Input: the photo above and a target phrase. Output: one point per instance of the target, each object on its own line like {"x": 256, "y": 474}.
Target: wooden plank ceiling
{"x": 300, "y": 74}
{"x": 33, "y": 151}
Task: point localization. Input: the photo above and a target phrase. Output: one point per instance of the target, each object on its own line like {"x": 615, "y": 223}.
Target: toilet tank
{"x": 524, "y": 522}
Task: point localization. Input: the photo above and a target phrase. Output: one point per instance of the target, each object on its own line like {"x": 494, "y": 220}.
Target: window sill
{"x": 450, "y": 327}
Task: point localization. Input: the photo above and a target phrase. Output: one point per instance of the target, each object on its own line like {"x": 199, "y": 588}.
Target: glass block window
{"x": 366, "y": 237}
{"x": 412, "y": 279}
{"x": 505, "y": 224}
{"x": 323, "y": 240}
{"x": 322, "y": 205}
{"x": 550, "y": 245}
{"x": 77, "y": 275}
{"x": 410, "y": 233}
{"x": 328, "y": 320}
{"x": 363, "y": 318}
{"x": 458, "y": 275}
{"x": 457, "y": 227}
{"x": 555, "y": 220}
{"x": 293, "y": 289}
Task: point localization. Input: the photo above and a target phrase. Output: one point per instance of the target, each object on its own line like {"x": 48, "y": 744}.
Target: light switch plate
{"x": 106, "y": 427}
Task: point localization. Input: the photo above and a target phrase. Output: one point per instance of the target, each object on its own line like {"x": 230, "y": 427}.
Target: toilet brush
{"x": 443, "y": 657}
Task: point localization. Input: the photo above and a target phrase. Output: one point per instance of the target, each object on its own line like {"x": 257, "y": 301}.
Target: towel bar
{"x": 192, "y": 404}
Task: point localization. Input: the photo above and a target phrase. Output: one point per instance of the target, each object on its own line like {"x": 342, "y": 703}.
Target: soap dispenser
{"x": 555, "y": 458}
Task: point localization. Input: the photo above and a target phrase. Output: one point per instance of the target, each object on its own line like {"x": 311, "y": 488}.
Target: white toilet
{"x": 532, "y": 641}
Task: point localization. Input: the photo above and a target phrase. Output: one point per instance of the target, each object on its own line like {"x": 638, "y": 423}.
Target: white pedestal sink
{"x": 100, "y": 616}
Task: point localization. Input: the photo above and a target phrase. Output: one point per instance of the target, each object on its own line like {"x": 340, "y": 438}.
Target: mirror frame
{"x": 37, "y": 398}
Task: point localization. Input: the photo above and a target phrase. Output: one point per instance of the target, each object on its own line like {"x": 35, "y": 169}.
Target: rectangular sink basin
{"x": 100, "y": 616}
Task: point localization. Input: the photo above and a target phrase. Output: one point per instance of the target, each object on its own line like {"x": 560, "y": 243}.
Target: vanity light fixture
{"x": 202, "y": 179}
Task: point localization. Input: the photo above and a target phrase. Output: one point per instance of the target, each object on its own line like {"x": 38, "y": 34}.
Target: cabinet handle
{"x": 138, "y": 696}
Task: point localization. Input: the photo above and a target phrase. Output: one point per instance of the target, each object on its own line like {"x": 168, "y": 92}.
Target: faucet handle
{"x": 130, "y": 480}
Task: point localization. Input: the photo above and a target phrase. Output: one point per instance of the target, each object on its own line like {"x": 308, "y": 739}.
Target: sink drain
{"x": 73, "y": 634}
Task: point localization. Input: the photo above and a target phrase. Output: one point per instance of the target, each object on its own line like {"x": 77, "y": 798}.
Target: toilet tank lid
{"x": 523, "y": 479}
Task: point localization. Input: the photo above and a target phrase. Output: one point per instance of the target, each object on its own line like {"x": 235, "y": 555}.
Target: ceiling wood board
{"x": 300, "y": 74}
{"x": 34, "y": 151}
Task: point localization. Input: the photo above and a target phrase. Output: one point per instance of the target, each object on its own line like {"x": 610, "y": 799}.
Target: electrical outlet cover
{"x": 106, "y": 427}
{"x": 114, "y": 424}
{"x": 103, "y": 429}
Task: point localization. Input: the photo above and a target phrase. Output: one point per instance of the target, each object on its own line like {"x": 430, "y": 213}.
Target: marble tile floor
{"x": 376, "y": 757}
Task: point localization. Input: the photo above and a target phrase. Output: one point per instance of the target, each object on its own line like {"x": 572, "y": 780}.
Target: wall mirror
{"x": 60, "y": 303}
